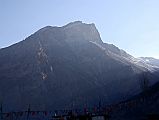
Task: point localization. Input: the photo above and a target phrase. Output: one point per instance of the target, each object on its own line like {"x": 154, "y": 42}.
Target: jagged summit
{"x": 87, "y": 32}
{"x": 75, "y": 23}
{"x": 73, "y": 32}
{"x": 69, "y": 25}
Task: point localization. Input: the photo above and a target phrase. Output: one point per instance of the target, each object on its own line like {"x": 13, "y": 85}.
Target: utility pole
{"x": 1, "y": 112}
{"x": 100, "y": 105}
{"x": 28, "y": 112}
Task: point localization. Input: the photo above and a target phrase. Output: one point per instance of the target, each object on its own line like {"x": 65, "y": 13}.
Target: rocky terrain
{"x": 69, "y": 67}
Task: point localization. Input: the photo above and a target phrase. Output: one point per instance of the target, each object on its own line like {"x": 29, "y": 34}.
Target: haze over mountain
{"x": 150, "y": 60}
{"x": 69, "y": 67}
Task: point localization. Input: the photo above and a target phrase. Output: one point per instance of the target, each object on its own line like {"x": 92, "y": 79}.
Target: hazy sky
{"x": 132, "y": 25}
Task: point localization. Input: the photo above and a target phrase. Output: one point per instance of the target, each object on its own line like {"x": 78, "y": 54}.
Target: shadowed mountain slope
{"x": 68, "y": 67}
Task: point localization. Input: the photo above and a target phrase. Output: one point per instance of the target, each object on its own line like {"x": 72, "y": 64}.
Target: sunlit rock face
{"x": 81, "y": 32}
{"x": 67, "y": 67}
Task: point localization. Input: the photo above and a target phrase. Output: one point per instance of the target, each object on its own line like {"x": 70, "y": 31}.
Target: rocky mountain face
{"x": 68, "y": 67}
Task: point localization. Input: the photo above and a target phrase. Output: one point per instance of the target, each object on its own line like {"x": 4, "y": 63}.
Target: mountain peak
{"x": 72, "y": 32}
{"x": 74, "y": 23}
{"x": 78, "y": 23}
{"x": 82, "y": 30}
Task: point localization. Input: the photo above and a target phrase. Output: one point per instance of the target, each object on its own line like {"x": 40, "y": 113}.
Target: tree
{"x": 144, "y": 83}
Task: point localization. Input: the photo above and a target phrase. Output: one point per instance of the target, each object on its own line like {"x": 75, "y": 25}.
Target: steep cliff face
{"x": 67, "y": 67}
